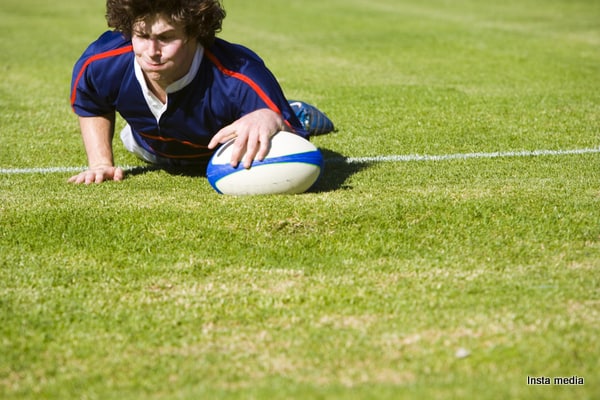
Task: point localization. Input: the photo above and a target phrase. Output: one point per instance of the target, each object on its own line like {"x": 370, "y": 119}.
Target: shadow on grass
{"x": 336, "y": 173}
{"x": 192, "y": 171}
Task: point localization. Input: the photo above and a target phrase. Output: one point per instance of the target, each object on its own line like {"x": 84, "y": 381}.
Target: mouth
{"x": 153, "y": 65}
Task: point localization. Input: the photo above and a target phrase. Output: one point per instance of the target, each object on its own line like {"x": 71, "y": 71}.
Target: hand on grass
{"x": 253, "y": 134}
{"x": 98, "y": 175}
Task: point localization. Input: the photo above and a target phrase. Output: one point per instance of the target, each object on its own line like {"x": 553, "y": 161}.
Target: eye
{"x": 166, "y": 38}
{"x": 141, "y": 35}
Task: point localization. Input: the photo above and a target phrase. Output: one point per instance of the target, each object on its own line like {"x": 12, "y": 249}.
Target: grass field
{"x": 400, "y": 277}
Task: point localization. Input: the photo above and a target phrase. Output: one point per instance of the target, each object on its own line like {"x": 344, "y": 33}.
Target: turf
{"x": 445, "y": 279}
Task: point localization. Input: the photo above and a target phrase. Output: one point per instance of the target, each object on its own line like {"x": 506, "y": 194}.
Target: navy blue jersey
{"x": 231, "y": 82}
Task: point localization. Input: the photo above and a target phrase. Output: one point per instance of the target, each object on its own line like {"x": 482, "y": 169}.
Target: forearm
{"x": 97, "y": 134}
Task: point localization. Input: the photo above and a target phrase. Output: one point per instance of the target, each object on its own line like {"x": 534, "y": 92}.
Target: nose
{"x": 154, "y": 48}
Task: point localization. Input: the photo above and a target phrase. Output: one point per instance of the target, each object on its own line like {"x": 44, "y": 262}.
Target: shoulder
{"x": 232, "y": 56}
{"x": 99, "y": 72}
{"x": 108, "y": 57}
{"x": 110, "y": 46}
{"x": 108, "y": 42}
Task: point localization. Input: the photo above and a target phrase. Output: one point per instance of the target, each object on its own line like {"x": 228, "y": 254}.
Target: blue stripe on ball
{"x": 215, "y": 172}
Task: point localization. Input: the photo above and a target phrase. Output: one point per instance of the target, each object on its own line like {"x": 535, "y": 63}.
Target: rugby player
{"x": 181, "y": 90}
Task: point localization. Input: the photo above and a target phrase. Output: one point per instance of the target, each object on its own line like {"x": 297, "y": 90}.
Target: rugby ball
{"x": 292, "y": 166}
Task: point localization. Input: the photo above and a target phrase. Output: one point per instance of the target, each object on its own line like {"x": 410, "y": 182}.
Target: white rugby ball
{"x": 292, "y": 166}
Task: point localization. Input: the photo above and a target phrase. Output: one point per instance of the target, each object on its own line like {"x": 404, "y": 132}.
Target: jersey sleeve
{"x": 86, "y": 99}
{"x": 96, "y": 75}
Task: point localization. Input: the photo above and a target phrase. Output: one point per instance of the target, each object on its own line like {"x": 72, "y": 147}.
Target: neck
{"x": 158, "y": 89}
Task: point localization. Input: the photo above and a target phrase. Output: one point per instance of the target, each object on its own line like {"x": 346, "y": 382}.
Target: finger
{"x": 238, "y": 149}
{"x": 265, "y": 146}
{"x": 222, "y": 136}
{"x": 93, "y": 177}
{"x": 79, "y": 178}
{"x": 252, "y": 147}
{"x": 99, "y": 177}
{"x": 82, "y": 177}
{"x": 86, "y": 177}
{"x": 119, "y": 174}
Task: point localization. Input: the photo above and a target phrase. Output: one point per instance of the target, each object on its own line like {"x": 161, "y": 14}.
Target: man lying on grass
{"x": 181, "y": 90}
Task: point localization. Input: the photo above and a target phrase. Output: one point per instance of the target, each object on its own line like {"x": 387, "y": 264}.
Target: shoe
{"x": 313, "y": 120}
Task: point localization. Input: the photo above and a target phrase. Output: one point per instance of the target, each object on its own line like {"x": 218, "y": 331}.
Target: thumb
{"x": 119, "y": 174}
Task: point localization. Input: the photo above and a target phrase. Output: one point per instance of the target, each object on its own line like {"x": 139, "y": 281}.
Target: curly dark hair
{"x": 202, "y": 18}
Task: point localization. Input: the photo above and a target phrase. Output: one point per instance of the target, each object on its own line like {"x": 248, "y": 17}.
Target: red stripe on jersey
{"x": 244, "y": 79}
{"x": 167, "y": 139}
{"x": 184, "y": 157}
{"x": 93, "y": 58}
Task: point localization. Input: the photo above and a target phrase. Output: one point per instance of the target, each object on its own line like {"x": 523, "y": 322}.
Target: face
{"x": 162, "y": 49}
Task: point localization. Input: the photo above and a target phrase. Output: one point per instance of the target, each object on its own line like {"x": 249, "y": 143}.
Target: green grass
{"x": 368, "y": 287}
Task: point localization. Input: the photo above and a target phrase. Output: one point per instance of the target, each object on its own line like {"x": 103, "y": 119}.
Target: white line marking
{"x": 351, "y": 160}
{"x": 19, "y": 171}
{"x": 464, "y": 156}
{"x": 49, "y": 170}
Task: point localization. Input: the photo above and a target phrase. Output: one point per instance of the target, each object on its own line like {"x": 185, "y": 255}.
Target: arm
{"x": 97, "y": 134}
{"x": 261, "y": 107}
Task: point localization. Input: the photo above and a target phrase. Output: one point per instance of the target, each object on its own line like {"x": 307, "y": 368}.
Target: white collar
{"x": 189, "y": 77}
